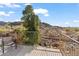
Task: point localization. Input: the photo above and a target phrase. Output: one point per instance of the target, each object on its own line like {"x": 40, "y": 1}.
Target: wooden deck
{"x": 31, "y": 51}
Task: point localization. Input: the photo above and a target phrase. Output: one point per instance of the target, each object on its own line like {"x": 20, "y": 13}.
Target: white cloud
{"x": 11, "y": 12}
{"x": 41, "y": 11}
{"x": 16, "y": 5}
{"x": 1, "y": 6}
{"x": 28, "y": 4}
{"x": 13, "y": 20}
{"x": 17, "y": 19}
{"x": 10, "y": 4}
{"x": 67, "y": 23}
{"x": 76, "y": 21}
{"x": 46, "y": 15}
{"x": 2, "y": 13}
{"x": 72, "y": 22}
{"x": 0, "y": 19}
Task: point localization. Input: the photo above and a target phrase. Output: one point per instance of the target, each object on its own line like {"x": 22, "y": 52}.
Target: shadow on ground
{"x": 20, "y": 51}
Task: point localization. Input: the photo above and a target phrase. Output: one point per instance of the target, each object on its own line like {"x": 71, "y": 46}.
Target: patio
{"x": 31, "y": 51}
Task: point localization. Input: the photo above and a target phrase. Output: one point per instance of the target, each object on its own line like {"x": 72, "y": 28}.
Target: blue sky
{"x": 54, "y": 14}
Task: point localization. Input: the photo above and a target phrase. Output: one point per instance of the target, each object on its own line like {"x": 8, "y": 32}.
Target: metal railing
{"x": 69, "y": 48}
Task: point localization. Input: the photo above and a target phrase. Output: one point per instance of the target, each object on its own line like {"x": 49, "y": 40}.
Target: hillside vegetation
{"x": 48, "y": 33}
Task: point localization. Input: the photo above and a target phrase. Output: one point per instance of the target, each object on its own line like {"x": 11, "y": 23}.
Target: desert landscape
{"x": 32, "y": 37}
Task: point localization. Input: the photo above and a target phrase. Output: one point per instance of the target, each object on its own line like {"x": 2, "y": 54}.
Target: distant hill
{"x": 2, "y": 23}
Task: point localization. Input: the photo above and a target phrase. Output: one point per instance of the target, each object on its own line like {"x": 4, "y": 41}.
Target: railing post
{"x": 15, "y": 44}
{"x": 2, "y": 45}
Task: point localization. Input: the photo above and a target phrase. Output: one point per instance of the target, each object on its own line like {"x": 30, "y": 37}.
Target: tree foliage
{"x": 31, "y": 23}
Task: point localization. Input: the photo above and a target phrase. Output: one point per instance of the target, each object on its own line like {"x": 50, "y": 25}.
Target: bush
{"x": 32, "y": 37}
{"x": 2, "y": 30}
{"x": 55, "y": 45}
{"x": 19, "y": 34}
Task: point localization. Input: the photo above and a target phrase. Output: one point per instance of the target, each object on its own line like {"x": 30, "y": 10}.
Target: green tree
{"x": 31, "y": 22}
